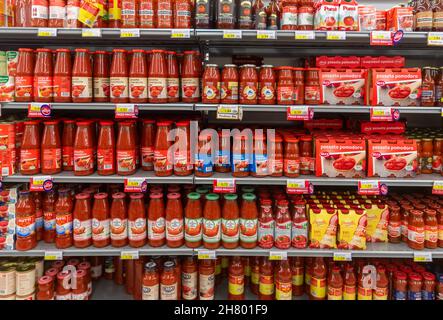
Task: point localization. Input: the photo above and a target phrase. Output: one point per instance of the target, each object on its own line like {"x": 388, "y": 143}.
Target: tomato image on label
{"x": 400, "y": 92}
{"x": 174, "y": 229}
{"x": 344, "y": 91}
{"x": 395, "y": 164}
{"x": 344, "y": 164}
{"x": 118, "y": 228}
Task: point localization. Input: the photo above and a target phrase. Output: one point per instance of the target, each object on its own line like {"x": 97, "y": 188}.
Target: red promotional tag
{"x": 39, "y": 110}
{"x": 384, "y": 114}
{"x": 372, "y": 188}
{"x": 224, "y": 186}
{"x": 41, "y": 183}
{"x": 300, "y": 113}
{"x": 296, "y": 186}
{"x": 126, "y": 111}
{"x": 136, "y": 185}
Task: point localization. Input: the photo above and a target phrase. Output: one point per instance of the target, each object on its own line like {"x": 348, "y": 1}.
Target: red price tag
{"x": 437, "y": 188}
{"x": 372, "y": 187}
{"x": 136, "y": 185}
{"x": 381, "y": 38}
{"x": 126, "y": 111}
{"x": 384, "y": 114}
{"x": 39, "y": 110}
{"x": 296, "y": 186}
{"x": 300, "y": 113}
{"x": 224, "y": 186}
{"x": 41, "y": 183}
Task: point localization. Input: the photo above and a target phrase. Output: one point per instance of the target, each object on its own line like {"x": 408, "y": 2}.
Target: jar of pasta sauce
{"x": 440, "y": 287}
{"x": 312, "y": 86}
{"x": 428, "y": 292}
{"x": 229, "y": 84}
{"x": 305, "y": 18}
{"x": 248, "y": 84}
{"x": 415, "y": 284}
{"x": 299, "y": 86}
{"x": 285, "y": 88}
{"x": 400, "y": 285}
{"x": 267, "y": 86}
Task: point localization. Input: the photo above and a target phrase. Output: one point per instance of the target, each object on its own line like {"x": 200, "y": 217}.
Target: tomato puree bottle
{"x": 350, "y": 283}
{"x": 172, "y": 82}
{"x": 285, "y": 87}
{"x": 63, "y": 220}
{"x": 268, "y": 84}
{"x": 24, "y": 76}
{"x": 100, "y": 220}
{"x": 151, "y": 282}
{"x": 119, "y": 220}
{"x": 230, "y": 222}
{"x": 174, "y": 221}
{"x": 138, "y": 77}
{"x": 169, "y": 282}
{"x": 129, "y": 14}
{"x": 30, "y": 149}
{"x": 236, "y": 276}
{"x": 182, "y": 14}
{"x": 156, "y": 220}
{"x": 193, "y": 221}
{"x": 206, "y": 273}
{"x": 266, "y": 281}
{"x": 283, "y": 225}
{"x": 68, "y": 138}
{"x": 25, "y": 222}
{"x": 248, "y": 221}
{"x": 211, "y": 84}
{"x": 266, "y": 225}
{"x": 182, "y": 156}
{"x": 38, "y": 214}
{"x": 283, "y": 281}
{"x": 48, "y": 205}
{"x": 162, "y": 158}
{"x": 82, "y": 223}
{"x": 146, "y": 14}
{"x": 164, "y": 13}
{"x": 62, "y": 76}
{"x": 241, "y": 156}
{"x": 82, "y": 77}
{"x": 297, "y": 270}
{"x": 299, "y": 232}
{"x": 119, "y": 77}
{"x": 335, "y": 284}
{"x": 83, "y": 149}
{"x": 157, "y": 77}
{"x": 248, "y": 84}
{"x": 431, "y": 229}
{"x": 101, "y": 76}
{"x": 43, "y": 78}
{"x": 416, "y": 230}
{"x": 318, "y": 280}
{"x": 190, "y": 78}
{"x": 394, "y": 224}
{"x": 381, "y": 290}
{"x": 211, "y": 222}
{"x": 106, "y": 149}
{"x": 136, "y": 221}
{"x": 126, "y": 149}
{"x": 147, "y": 145}
{"x": 229, "y": 84}
{"x": 51, "y": 151}
{"x": 189, "y": 278}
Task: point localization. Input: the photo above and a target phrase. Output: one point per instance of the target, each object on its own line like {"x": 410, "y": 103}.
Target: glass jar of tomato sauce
{"x": 229, "y": 84}
{"x": 222, "y": 161}
{"x": 285, "y": 88}
{"x": 211, "y": 84}
{"x": 312, "y": 86}
{"x": 267, "y": 84}
{"x": 182, "y": 156}
{"x": 292, "y": 157}
{"x": 299, "y": 86}
{"x": 241, "y": 154}
{"x": 248, "y": 84}
{"x": 427, "y": 153}
{"x": 203, "y": 159}
{"x": 306, "y": 160}
{"x": 416, "y": 230}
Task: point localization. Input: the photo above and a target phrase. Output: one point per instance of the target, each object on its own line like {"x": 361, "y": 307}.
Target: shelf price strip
{"x": 53, "y": 255}
{"x": 41, "y": 183}
{"x": 129, "y": 33}
{"x": 381, "y": 38}
{"x": 435, "y": 39}
{"x": 437, "y": 188}
{"x": 39, "y": 110}
{"x": 372, "y": 187}
{"x": 228, "y": 112}
{"x": 342, "y": 256}
{"x": 129, "y": 254}
{"x": 266, "y": 34}
{"x": 384, "y": 114}
{"x": 47, "y": 32}
{"x": 232, "y": 34}
{"x": 422, "y": 256}
{"x": 299, "y": 113}
{"x": 224, "y": 185}
{"x": 91, "y": 33}
{"x": 206, "y": 255}
{"x": 180, "y": 34}
{"x": 278, "y": 255}
{"x": 305, "y": 35}
{"x": 299, "y": 186}
{"x": 136, "y": 185}
{"x": 126, "y": 111}
{"x": 336, "y": 35}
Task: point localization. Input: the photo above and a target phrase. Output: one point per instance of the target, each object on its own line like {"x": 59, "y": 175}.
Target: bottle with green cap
{"x": 193, "y": 221}
{"x": 248, "y": 221}
{"x": 230, "y": 222}
{"x": 212, "y": 222}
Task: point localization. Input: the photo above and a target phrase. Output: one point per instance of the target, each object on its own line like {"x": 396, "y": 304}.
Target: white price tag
{"x": 336, "y": 35}
{"x": 129, "y": 33}
{"x": 305, "y": 35}
{"x": 224, "y": 185}
{"x": 126, "y": 111}
{"x": 135, "y": 185}
{"x": 435, "y": 39}
{"x": 384, "y": 114}
{"x": 129, "y": 255}
{"x": 47, "y": 32}
{"x": 342, "y": 256}
{"x": 229, "y": 112}
{"x": 266, "y": 34}
{"x": 180, "y": 33}
{"x": 40, "y": 183}
{"x": 206, "y": 254}
{"x": 232, "y": 34}
{"x": 278, "y": 255}
{"x": 39, "y": 110}
{"x": 372, "y": 187}
{"x": 381, "y": 38}
{"x": 299, "y": 113}
{"x": 53, "y": 255}
{"x": 94, "y": 33}
{"x": 441, "y": 112}
{"x": 437, "y": 188}
{"x": 299, "y": 186}
{"x": 422, "y": 257}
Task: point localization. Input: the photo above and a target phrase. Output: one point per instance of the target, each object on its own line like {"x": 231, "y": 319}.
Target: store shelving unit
{"x": 97, "y": 106}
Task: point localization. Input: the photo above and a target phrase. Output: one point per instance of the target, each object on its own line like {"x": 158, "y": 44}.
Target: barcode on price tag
{"x": 228, "y": 112}
{"x": 336, "y": 35}
{"x": 300, "y": 113}
{"x": 224, "y": 185}
{"x": 232, "y": 34}
{"x": 304, "y": 35}
{"x": 435, "y": 39}
{"x": 381, "y": 38}
{"x": 129, "y": 33}
{"x": 298, "y": 186}
{"x": 278, "y": 255}
{"x": 129, "y": 254}
{"x": 41, "y": 183}
{"x": 422, "y": 257}
{"x": 437, "y": 188}
{"x": 384, "y": 114}
{"x": 266, "y": 34}
{"x": 39, "y": 110}
{"x": 136, "y": 185}
{"x": 126, "y": 111}
{"x": 342, "y": 256}
{"x": 88, "y": 33}
{"x": 180, "y": 33}
{"x": 53, "y": 255}
{"x": 206, "y": 254}
{"x": 47, "y": 32}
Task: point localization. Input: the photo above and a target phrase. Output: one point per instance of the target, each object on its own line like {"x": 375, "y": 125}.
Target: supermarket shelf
{"x": 97, "y": 106}
{"x": 322, "y": 108}
{"x": 69, "y": 177}
{"x": 419, "y": 181}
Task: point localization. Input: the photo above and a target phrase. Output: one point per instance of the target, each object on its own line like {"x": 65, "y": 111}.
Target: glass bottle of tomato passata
{"x": 182, "y": 14}
{"x": 427, "y": 88}
{"x": 30, "y": 149}
{"x": 266, "y": 224}
{"x": 82, "y": 77}
{"x": 297, "y": 270}
{"x": 168, "y": 282}
{"x": 211, "y": 84}
{"x": 230, "y": 222}
{"x": 306, "y": 160}
{"x": 335, "y": 284}
{"x": 267, "y": 84}
{"x": 212, "y": 222}
{"x": 318, "y": 280}
{"x": 126, "y": 149}
{"x": 312, "y": 86}
{"x": 82, "y": 224}
{"x": 248, "y": 84}
{"x": 431, "y": 229}
{"x": 115, "y": 11}
{"x": 43, "y": 80}
{"x": 68, "y": 138}
{"x": 189, "y": 278}
{"x": 193, "y": 221}
{"x": 427, "y": 153}
{"x": 259, "y": 16}
{"x": 266, "y": 280}
{"x": 157, "y": 77}
{"x": 203, "y": 159}
{"x": 248, "y": 221}
{"x": 24, "y": 76}
{"x": 119, "y": 77}
{"x": 172, "y": 82}
{"x": 39, "y": 15}
{"x": 100, "y": 220}
{"x": 299, "y": 224}
{"x": 174, "y": 221}
{"x": 51, "y": 151}
{"x": 222, "y": 160}
{"x": 260, "y": 164}
{"x": 129, "y": 16}
{"x": 285, "y": 91}
{"x": 25, "y": 222}
{"x": 136, "y": 221}
{"x": 240, "y": 156}
{"x": 182, "y": 156}
{"x": 62, "y": 76}
{"x": 83, "y": 149}
{"x": 244, "y": 14}
{"x": 48, "y": 206}
{"x": 190, "y": 82}
{"x": 283, "y": 225}
{"x": 283, "y": 281}
{"x": 229, "y": 84}
{"x": 147, "y": 145}
{"x": 63, "y": 219}
{"x": 276, "y": 160}
{"x": 156, "y": 220}
{"x": 288, "y": 14}
{"x": 416, "y": 230}
{"x": 151, "y": 282}
{"x": 101, "y": 76}
{"x": 164, "y": 14}
{"x": 146, "y": 14}
{"x": 106, "y": 149}
{"x": 162, "y": 159}
{"x": 119, "y": 220}
{"x": 236, "y": 282}
{"x": 206, "y": 273}
{"x": 138, "y": 77}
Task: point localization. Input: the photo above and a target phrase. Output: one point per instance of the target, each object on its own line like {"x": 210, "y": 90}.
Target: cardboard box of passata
{"x": 383, "y": 127}
{"x": 337, "y": 62}
{"x": 400, "y": 18}
{"x": 352, "y": 229}
{"x": 323, "y": 228}
{"x": 396, "y": 87}
{"x": 326, "y": 15}
{"x": 393, "y": 158}
{"x": 342, "y": 86}
{"x": 323, "y": 124}
{"x": 377, "y": 228}
{"x": 367, "y": 18}
{"x": 370, "y": 62}
{"x": 340, "y": 157}
{"x": 7, "y": 148}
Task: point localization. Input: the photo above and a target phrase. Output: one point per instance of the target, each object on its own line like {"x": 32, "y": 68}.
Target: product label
{"x": 119, "y": 229}
{"x": 426, "y": 295}
{"x": 82, "y": 87}
{"x": 266, "y": 234}
{"x": 181, "y": 162}
{"x": 68, "y": 156}
{"x": 236, "y": 285}
{"x": 39, "y": 9}
{"x": 63, "y": 224}
{"x": 292, "y": 166}
{"x": 190, "y": 88}
{"x": 161, "y": 161}
{"x": 283, "y": 290}
{"x": 260, "y": 164}
{"x": 157, "y": 88}
{"x": 7, "y": 282}
{"x": 147, "y": 154}
{"x": 299, "y": 234}
{"x": 203, "y": 162}
{"x": 207, "y": 283}
{"x": 416, "y": 234}
{"x": 230, "y": 230}
{"x": 126, "y": 160}
{"x": 211, "y": 90}
{"x": 29, "y": 159}
{"x": 156, "y": 229}
{"x": 189, "y": 285}
{"x": 119, "y": 87}
{"x": 62, "y": 87}
{"x": 173, "y": 88}
{"x": 168, "y": 292}
{"x": 25, "y": 226}
{"x": 49, "y": 220}
{"x": 102, "y": 87}
{"x": 266, "y": 285}
{"x": 137, "y": 229}
{"x": 138, "y": 88}
{"x": 100, "y": 229}
{"x": 349, "y": 292}
{"x": 289, "y": 16}
{"x": 193, "y": 229}
{"x": 83, "y": 159}
{"x": 211, "y": 230}
{"x": 394, "y": 229}
{"x": 174, "y": 229}
{"x": 43, "y": 87}
{"x": 380, "y": 294}
{"x": 414, "y": 295}
{"x": 283, "y": 234}
{"x": 248, "y": 230}
{"x": 240, "y": 162}
{"x": 51, "y": 159}
{"x": 23, "y": 86}
{"x": 150, "y": 292}
{"x": 57, "y": 10}
{"x": 318, "y": 287}
{"x": 364, "y": 294}
{"x": 105, "y": 159}
{"x": 82, "y": 229}
{"x": 229, "y": 90}
{"x": 146, "y": 14}
{"x": 335, "y": 293}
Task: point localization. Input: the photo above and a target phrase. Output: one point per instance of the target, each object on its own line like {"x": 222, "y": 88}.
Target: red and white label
{"x": 437, "y": 188}
{"x": 384, "y": 114}
{"x": 39, "y": 110}
{"x": 297, "y": 186}
{"x": 41, "y": 183}
{"x": 300, "y": 113}
{"x": 136, "y": 185}
{"x": 126, "y": 111}
{"x": 381, "y": 38}
{"x": 224, "y": 186}
{"x": 372, "y": 187}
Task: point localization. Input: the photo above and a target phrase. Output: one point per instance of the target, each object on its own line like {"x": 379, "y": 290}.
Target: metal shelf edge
{"x": 103, "y": 106}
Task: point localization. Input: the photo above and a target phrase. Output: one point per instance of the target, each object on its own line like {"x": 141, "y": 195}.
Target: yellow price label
{"x": 202, "y": 256}
{"x": 87, "y": 33}
{"x": 179, "y": 34}
{"x": 206, "y": 255}
{"x": 438, "y": 187}
{"x": 133, "y": 183}
{"x": 262, "y": 36}
{"x": 129, "y": 255}
{"x": 123, "y": 109}
{"x": 50, "y": 258}
{"x": 433, "y": 38}
{"x": 366, "y": 186}
{"x": 342, "y": 256}
{"x": 422, "y": 257}
{"x": 223, "y": 184}
{"x": 47, "y": 32}
{"x": 265, "y": 34}
{"x": 232, "y": 34}
{"x": 226, "y": 110}
{"x": 278, "y": 255}
{"x": 336, "y": 35}
{"x": 296, "y": 112}
{"x": 129, "y": 33}
{"x": 53, "y": 255}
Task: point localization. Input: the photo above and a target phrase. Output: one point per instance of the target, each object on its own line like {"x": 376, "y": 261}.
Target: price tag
{"x": 437, "y": 188}
{"x": 232, "y": 34}
{"x": 266, "y": 34}
{"x": 53, "y": 255}
{"x": 305, "y": 35}
{"x": 441, "y": 112}
{"x": 47, "y": 32}
{"x": 224, "y": 185}
{"x": 384, "y": 114}
{"x": 372, "y": 187}
{"x": 40, "y": 183}
{"x": 136, "y": 185}
{"x": 39, "y": 110}
{"x": 129, "y": 33}
{"x": 278, "y": 255}
{"x": 206, "y": 254}
{"x": 336, "y": 35}
{"x": 126, "y": 111}
{"x": 381, "y": 38}
{"x": 228, "y": 112}
{"x": 180, "y": 33}
{"x": 129, "y": 255}
{"x": 435, "y": 39}
{"x": 342, "y": 256}
{"x": 298, "y": 186}
{"x": 94, "y": 33}
{"x": 300, "y": 113}
{"x": 422, "y": 256}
